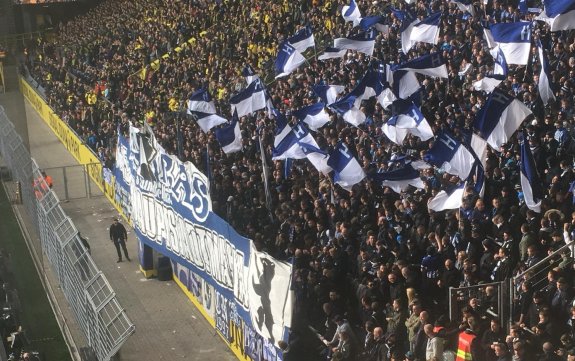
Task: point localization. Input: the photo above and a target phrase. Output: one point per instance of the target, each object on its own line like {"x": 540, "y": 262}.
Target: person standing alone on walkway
{"x": 118, "y": 235}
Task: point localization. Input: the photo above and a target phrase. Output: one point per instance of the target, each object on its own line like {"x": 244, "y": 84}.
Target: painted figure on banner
{"x": 148, "y": 154}
{"x": 263, "y": 289}
{"x": 269, "y": 296}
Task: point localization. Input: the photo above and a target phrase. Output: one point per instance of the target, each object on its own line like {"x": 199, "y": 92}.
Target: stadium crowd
{"x": 372, "y": 268}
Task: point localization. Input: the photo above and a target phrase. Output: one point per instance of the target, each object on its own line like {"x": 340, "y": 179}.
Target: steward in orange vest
{"x": 469, "y": 346}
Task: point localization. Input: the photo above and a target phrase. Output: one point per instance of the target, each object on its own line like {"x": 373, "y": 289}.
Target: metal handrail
{"x": 501, "y": 293}
{"x": 544, "y": 260}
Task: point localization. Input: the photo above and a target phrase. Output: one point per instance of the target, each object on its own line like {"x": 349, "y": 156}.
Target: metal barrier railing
{"x": 490, "y": 299}
{"x": 536, "y": 275}
{"x": 100, "y": 316}
{"x": 65, "y": 188}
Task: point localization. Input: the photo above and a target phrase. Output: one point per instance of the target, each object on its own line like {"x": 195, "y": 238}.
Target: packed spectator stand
{"x": 378, "y": 259}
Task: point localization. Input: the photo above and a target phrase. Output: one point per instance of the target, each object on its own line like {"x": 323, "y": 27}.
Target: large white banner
{"x": 172, "y": 213}
{"x": 269, "y": 295}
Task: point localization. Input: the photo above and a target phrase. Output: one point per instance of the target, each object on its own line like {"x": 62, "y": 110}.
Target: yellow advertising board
{"x": 83, "y": 154}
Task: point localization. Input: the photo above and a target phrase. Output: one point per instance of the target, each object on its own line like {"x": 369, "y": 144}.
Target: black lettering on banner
{"x": 222, "y": 319}
{"x": 202, "y": 247}
{"x": 237, "y": 339}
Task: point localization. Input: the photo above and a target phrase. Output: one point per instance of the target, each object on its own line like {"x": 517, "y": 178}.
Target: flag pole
{"x": 265, "y": 175}
{"x": 179, "y": 139}
{"x": 208, "y": 170}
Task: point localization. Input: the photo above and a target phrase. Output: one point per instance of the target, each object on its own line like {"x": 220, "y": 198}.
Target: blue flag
{"x": 229, "y": 136}
{"x": 288, "y": 60}
{"x": 347, "y": 109}
{"x": 363, "y": 42}
{"x": 313, "y": 115}
{"x": 347, "y": 170}
{"x": 399, "y": 179}
{"x": 328, "y": 93}
{"x": 249, "y": 73}
{"x": 371, "y": 84}
{"x": 558, "y": 7}
{"x": 207, "y": 121}
{"x": 499, "y": 118}
{"x": 530, "y": 181}
{"x": 332, "y": 53}
{"x": 250, "y": 99}
{"x": 287, "y": 144}
{"x": 431, "y": 64}
{"x": 406, "y": 119}
{"x": 425, "y": 31}
{"x": 545, "y": 85}
{"x": 523, "y": 7}
{"x": 449, "y": 154}
{"x": 559, "y": 14}
{"x": 351, "y": 13}
{"x": 514, "y": 39}
{"x": 447, "y": 199}
{"x": 303, "y": 39}
{"x": 201, "y": 101}
{"x": 376, "y": 21}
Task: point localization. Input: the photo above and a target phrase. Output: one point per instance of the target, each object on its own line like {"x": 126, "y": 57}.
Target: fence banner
{"x": 241, "y": 290}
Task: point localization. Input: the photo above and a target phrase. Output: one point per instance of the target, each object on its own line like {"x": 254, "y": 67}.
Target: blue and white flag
{"x": 328, "y": 93}
{"x": 317, "y": 157}
{"x": 453, "y": 199}
{"x": 351, "y": 13}
{"x": 572, "y": 190}
{"x": 386, "y": 98}
{"x": 332, "y": 53}
{"x": 523, "y": 9}
{"x": 425, "y": 31}
{"x": 500, "y": 70}
{"x": 486, "y": 84}
{"x": 376, "y": 21}
{"x": 407, "y": 17}
{"x": 465, "y": 5}
{"x": 545, "y": 88}
{"x": 250, "y": 99}
{"x": 249, "y": 73}
{"x": 488, "y": 36}
{"x": 229, "y": 136}
{"x": 477, "y": 177}
{"x": 559, "y": 14}
{"x": 313, "y": 115}
{"x": 403, "y": 16}
{"x": 347, "y": 170}
{"x": 364, "y": 42}
{"x": 530, "y": 181}
{"x": 499, "y": 118}
{"x": 407, "y": 119}
{"x": 500, "y": 67}
{"x": 431, "y": 64}
{"x": 370, "y": 85}
{"x": 302, "y": 39}
{"x": 287, "y": 143}
{"x": 404, "y": 84}
{"x": 288, "y": 60}
{"x": 514, "y": 39}
{"x": 399, "y": 179}
{"x": 201, "y": 101}
{"x": 207, "y": 121}
{"x": 346, "y": 108}
{"x": 450, "y": 155}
